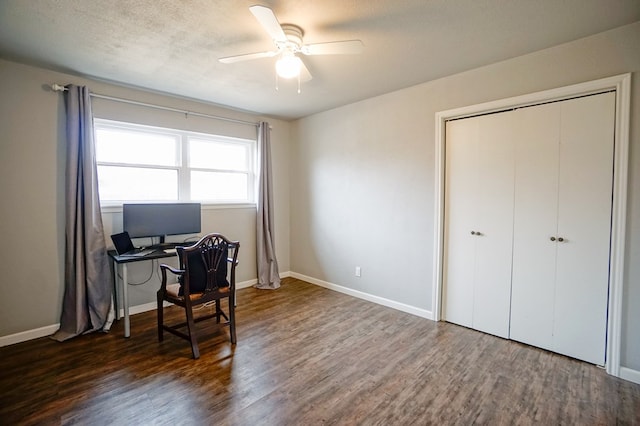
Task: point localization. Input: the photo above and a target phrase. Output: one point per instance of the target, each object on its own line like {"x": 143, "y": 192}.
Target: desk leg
{"x": 116, "y": 292}
{"x": 125, "y": 300}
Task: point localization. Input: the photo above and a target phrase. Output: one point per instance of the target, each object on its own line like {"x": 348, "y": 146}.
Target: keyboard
{"x": 138, "y": 253}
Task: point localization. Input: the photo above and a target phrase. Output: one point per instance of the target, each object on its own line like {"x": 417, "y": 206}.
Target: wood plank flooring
{"x": 306, "y": 356}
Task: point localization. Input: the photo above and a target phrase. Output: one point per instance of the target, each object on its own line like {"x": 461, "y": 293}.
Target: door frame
{"x": 621, "y": 84}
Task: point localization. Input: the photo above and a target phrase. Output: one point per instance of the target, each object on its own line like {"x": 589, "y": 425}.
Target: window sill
{"x": 117, "y": 208}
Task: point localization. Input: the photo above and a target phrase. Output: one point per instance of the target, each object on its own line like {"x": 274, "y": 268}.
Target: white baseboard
{"x": 630, "y": 375}
{"x": 145, "y": 307}
{"x": 355, "y": 293}
{"x": 50, "y": 329}
{"x": 366, "y": 296}
{"x": 28, "y": 335}
{"x": 246, "y": 284}
{"x": 251, "y": 283}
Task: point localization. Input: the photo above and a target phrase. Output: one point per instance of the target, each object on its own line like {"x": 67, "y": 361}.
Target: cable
{"x": 153, "y": 263}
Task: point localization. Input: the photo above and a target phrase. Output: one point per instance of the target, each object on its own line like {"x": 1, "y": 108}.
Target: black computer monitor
{"x": 161, "y": 219}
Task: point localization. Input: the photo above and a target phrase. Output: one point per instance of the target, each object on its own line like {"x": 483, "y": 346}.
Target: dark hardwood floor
{"x": 306, "y": 356}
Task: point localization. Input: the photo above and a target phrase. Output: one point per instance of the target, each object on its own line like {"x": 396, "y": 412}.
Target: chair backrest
{"x": 207, "y": 263}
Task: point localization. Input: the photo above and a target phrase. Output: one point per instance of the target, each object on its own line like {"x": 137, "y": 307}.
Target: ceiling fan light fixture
{"x": 288, "y": 66}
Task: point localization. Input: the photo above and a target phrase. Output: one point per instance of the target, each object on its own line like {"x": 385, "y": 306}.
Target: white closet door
{"x": 478, "y": 230}
{"x": 562, "y": 226}
{"x": 584, "y": 223}
{"x": 460, "y": 200}
{"x": 535, "y": 222}
{"x": 494, "y": 213}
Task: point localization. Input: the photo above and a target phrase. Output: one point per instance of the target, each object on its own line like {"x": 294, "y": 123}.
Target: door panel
{"x": 479, "y": 215}
{"x": 494, "y": 212}
{"x": 460, "y": 200}
{"x": 584, "y": 222}
{"x": 535, "y": 222}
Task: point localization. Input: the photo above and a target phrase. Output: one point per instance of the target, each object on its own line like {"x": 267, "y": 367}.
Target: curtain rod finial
{"x": 58, "y": 88}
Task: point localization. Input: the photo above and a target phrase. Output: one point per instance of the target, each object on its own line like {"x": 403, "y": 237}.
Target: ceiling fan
{"x": 289, "y": 44}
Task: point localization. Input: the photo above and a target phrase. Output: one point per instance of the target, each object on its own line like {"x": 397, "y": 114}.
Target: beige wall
{"x": 32, "y": 210}
{"x": 362, "y": 188}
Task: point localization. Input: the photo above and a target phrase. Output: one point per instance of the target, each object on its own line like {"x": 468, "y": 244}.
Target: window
{"x": 143, "y": 163}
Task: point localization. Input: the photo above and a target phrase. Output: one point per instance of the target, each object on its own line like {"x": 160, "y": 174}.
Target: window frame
{"x": 183, "y": 168}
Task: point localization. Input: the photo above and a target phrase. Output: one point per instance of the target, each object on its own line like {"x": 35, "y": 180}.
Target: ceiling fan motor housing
{"x": 294, "y": 38}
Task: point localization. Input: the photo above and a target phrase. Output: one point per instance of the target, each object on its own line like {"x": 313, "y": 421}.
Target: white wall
{"x": 362, "y": 189}
{"x": 32, "y": 168}
{"x": 362, "y": 195}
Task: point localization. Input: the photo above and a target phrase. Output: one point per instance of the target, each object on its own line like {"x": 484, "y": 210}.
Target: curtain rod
{"x": 60, "y": 88}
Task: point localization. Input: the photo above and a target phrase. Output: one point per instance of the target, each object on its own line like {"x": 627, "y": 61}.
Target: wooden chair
{"x": 207, "y": 275}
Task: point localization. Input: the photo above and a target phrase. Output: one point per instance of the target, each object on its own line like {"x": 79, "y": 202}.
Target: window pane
{"x": 145, "y": 163}
{"x": 217, "y": 186}
{"x": 132, "y": 147}
{"x": 217, "y": 155}
{"x": 137, "y": 184}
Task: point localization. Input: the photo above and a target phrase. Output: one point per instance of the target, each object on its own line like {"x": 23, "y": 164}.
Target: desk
{"x": 120, "y": 265}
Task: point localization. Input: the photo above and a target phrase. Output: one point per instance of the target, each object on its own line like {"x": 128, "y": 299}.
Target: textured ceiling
{"x": 173, "y": 46}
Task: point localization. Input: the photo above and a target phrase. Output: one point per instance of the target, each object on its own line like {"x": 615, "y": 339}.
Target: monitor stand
{"x": 171, "y": 245}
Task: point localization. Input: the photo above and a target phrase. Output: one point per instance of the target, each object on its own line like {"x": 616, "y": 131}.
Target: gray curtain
{"x": 87, "y": 295}
{"x": 268, "y": 275}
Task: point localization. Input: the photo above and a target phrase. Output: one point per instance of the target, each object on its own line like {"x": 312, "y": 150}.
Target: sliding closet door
{"x": 584, "y": 223}
{"x": 478, "y": 230}
{"x": 535, "y": 223}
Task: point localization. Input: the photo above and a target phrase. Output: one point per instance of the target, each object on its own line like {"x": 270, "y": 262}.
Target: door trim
{"x": 621, "y": 84}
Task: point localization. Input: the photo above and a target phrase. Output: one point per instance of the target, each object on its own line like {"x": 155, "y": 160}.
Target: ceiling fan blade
{"x": 247, "y": 57}
{"x": 305, "y": 75}
{"x": 333, "y": 48}
{"x": 269, "y": 22}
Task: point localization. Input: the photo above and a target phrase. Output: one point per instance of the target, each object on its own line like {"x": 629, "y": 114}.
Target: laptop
{"x": 124, "y": 246}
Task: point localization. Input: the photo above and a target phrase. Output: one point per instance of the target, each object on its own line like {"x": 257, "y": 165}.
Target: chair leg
{"x": 160, "y": 318}
{"x": 218, "y": 311}
{"x": 232, "y": 321}
{"x": 192, "y": 332}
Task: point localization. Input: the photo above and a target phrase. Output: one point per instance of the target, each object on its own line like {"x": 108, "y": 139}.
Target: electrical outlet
{"x": 358, "y": 271}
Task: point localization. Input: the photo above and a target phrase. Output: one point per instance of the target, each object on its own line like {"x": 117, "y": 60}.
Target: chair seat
{"x": 173, "y": 290}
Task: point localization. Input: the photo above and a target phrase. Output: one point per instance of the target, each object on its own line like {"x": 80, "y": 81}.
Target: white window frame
{"x": 183, "y": 167}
